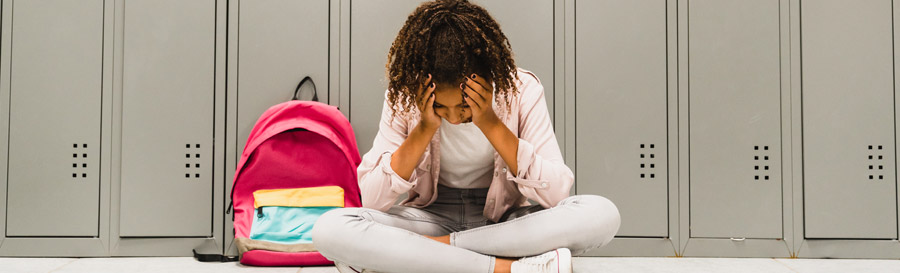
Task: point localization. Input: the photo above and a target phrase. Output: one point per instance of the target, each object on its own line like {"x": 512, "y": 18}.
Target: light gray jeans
{"x": 393, "y": 241}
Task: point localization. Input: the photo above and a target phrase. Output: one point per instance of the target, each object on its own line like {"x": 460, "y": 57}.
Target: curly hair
{"x": 448, "y": 39}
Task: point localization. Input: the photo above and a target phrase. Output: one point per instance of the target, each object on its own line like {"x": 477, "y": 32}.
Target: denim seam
{"x": 492, "y": 264}
{"x": 417, "y": 219}
{"x": 462, "y": 213}
{"x": 397, "y": 228}
{"x": 453, "y": 239}
{"x": 476, "y": 224}
{"x": 488, "y": 227}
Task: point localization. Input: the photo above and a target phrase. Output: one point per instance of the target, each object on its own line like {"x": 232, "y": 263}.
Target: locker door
{"x": 279, "y": 43}
{"x": 621, "y": 79}
{"x": 527, "y": 24}
{"x": 373, "y": 26}
{"x": 848, "y": 119}
{"x": 734, "y": 96}
{"x": 167, "y": 118}
{"x": 54, "y": 141}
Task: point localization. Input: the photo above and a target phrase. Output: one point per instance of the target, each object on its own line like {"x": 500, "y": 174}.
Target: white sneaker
{"x": 344, "y": 268}
{"x": 556, "y": 261}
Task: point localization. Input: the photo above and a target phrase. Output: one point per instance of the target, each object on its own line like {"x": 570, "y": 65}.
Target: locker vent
{"x": 192, "y": 156}
{"x": 876, "y": 162}
{"x": 79, "y": 160}
{"x": 761, "y": 162}
{"x": 648, "y": 161}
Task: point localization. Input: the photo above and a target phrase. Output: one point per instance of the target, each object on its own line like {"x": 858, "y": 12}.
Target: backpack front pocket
{"x": 286, "y": 216}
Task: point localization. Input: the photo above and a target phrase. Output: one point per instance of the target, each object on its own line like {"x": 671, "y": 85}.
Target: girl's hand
{"x": 479, "y": 95}
{"x": 425, "y": 102}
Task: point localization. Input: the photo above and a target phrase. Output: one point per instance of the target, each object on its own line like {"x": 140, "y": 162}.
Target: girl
{"x": 468, "y": 136}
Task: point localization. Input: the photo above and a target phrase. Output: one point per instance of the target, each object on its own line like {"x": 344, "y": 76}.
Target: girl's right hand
{"x": 425, "y": 101}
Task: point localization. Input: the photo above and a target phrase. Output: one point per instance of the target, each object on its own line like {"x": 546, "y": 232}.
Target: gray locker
{"x": 734, "y": 119}
{"x": 848, "y": 119}
{"x": 54, "y": 134}
{"x": 527, "y": 24}
{"x": 167, "y": 118}
{"x": 279, "y": 43}
{"x": 621, "y": 80}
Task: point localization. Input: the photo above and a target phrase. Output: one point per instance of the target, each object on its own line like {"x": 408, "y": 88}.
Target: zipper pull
{"x": 259, "y": 213}
{"x": 230, "y": 205}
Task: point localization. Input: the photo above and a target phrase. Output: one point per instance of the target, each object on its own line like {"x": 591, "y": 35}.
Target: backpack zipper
{"x": 259, "y": 213}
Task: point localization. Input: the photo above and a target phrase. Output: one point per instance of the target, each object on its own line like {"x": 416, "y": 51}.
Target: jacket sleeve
{"x": 378, "y": 183}
{"x": 542, "y": 173}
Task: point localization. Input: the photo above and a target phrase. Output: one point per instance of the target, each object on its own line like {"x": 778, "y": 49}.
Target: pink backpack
{"x": 299, "y": 162}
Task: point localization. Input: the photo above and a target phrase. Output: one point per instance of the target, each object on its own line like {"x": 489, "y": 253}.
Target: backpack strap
{"x": 214, "y": 257}
{"x": 209, "y": 252}
{"x": 303, "y": 81}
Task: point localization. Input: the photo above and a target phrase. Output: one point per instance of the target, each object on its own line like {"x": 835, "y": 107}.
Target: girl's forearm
{"x": 405, "y": 158}
{"x": 505, "y": 142}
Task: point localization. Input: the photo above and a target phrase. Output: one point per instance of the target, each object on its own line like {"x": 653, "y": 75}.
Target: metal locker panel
{"x": 55, "y": 103}
{"x": 375, "y": 23}
{"x": 373, "y": 26}
{"x": 621, "y": 66}
{"x": 848, "y": 119}
{"x": 279, "y": 43}
{"x": 167, "y": 118}
{"x": 528, "y": 24}
{"x": 735, "y": 119}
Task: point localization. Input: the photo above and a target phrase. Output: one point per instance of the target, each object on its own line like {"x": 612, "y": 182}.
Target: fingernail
{"x": 473, "y": 76}
{"x": 432, "y": 85}
{"x": 461, "y": 86}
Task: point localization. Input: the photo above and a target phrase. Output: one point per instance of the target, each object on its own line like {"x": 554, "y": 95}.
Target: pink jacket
{"x": 543, "y": 175}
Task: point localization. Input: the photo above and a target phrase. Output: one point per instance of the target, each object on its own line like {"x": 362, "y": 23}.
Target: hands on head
{"x": 472, "y": 101}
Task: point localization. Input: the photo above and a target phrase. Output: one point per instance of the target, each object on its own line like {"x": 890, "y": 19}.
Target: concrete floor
{"x": 582, "y": 265}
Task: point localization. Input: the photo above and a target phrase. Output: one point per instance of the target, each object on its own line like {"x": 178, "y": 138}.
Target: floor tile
{"x": 32, "y": 265}
{"x": 589, "y": 265}
{"x": 166, "y": 264}
{"x": 841, "y": 265}
{"x": 581, "y": 265}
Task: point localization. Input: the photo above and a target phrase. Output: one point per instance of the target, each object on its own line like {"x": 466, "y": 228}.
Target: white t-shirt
{"x": 467, "y": 157}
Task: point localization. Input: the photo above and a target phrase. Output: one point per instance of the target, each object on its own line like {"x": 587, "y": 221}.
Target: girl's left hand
{"x": 479, "y": 95}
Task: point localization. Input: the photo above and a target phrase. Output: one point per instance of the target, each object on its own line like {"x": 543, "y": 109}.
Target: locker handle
{"x": 738, "y": 239}
{"x": 303, "y": 81}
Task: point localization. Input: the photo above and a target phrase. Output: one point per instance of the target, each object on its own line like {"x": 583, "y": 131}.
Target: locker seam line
{"x": 116, "y": 128}
{"x": 679, "y": 250}
{"x": 781, "y": 116}
{"x": 553, "y": 75}
{"x": 102, "y": 81}
{"x": 212, "y": 222}
{"x": 237, "y": 95}
{"x": 792, "y": 247}
{"x": 802, "y": 143}
{"x": 328, "y": 63}
{"x": 894, "y": 104}
{"x": 9, "y": 121}
{"x": 575, "y": 91}
{"x": 237, "y": 113}
{"x": 668, "y": 154}
{"x": 225, "y": 137}
{"x": 350, "y": 60}
{"x": 687, "y": 61}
